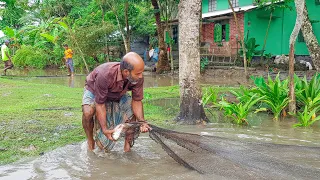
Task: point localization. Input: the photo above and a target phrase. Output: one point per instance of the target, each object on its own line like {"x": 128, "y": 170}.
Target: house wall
{"x": 229, "y": 47}
{"x": 256, "y": 22}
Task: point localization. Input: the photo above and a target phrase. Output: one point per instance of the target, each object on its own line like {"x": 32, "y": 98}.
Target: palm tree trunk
{"x": 311, "y": 39}
{"x": 241, "y": 40}
{"x": 163, "y": 63}
{"x": 191, "y": 108}
{"x": 299, "y": 20}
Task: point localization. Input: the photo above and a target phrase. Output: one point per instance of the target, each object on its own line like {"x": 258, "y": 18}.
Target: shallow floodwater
{"x": 54, "y": 76}
{"x": 147, "y": 160}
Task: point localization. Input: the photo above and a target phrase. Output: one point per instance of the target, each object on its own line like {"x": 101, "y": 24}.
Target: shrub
{"x": 31, "y": 57}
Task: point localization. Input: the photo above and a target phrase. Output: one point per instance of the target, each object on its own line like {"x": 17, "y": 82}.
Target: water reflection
{"x": 56, "y": 76}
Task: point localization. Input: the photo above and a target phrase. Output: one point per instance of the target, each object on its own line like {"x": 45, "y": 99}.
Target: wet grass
{"x": 27, "y": 128}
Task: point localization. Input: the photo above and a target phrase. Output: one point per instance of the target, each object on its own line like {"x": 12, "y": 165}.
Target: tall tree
{"x": 311, "y": 39}
{"x": 114, "y": 6}
{"x": 163, "y": 63}
{"x": 299, "y": 20}
{"x": 191, "y": 107}
{"x": 241, "y": 40}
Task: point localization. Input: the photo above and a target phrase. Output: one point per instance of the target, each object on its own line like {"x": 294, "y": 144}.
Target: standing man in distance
{"x": 68, "y": 54}
{"x": 6, "y": 57}
{"x": 105, "y": 96}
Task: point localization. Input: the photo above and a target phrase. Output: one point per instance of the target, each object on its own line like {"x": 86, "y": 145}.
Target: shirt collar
{"x": 119, "y": 75}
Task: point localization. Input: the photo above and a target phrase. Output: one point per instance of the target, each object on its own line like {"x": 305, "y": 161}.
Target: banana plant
{"x": 239, "y": 112}
{"x": 275, "y": 93}
{"x": 306, "y": 117}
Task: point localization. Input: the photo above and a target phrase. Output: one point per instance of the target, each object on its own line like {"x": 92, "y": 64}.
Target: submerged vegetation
{"x": 41, "y": 117}
{"x": 270, "y": 96}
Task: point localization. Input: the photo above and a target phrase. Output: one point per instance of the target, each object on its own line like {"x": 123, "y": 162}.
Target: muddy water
{"x": 147, "y": 160}
{"x": 53, "y": 76}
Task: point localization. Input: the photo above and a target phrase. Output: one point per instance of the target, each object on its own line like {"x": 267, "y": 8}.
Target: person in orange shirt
{"x": 68, "y": 53}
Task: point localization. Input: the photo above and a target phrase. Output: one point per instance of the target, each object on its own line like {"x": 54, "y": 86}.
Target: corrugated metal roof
{"x": 228, "y": 11}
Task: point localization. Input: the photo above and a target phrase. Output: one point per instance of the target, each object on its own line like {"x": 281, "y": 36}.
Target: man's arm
{"x": 101, "y": 113}
{"x": 137, "y": 108}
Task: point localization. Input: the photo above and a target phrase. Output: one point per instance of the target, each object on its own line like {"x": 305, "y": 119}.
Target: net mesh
{"x": 238, "y": 159}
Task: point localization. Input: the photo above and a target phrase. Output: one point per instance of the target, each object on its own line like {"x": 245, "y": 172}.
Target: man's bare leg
{"x": 87, "y": 124}
{"x": 126, "y": 147}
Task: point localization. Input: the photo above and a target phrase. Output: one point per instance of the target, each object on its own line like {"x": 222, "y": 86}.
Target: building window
{"x": 221, "y": 32}
{"x": 317, "y": 2}
{"x": 235, "y": 3}
{"x": 212, "y": 5}
{"x": 175, "y": 34}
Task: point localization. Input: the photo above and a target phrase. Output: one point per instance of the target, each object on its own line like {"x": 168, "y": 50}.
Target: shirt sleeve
{"x": 137, "y": 90}
{"x": 101, "y": 89}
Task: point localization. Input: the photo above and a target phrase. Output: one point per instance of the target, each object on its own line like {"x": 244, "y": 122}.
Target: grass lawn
{"x": 27, "y": 129}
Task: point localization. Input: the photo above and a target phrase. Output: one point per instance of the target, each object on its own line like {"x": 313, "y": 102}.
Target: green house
{"x": 220, "y": 34}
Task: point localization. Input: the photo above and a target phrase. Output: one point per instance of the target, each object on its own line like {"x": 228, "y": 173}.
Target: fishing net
{"x": 238, "y": 159}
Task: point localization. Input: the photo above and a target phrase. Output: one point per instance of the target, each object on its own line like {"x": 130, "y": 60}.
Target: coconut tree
{"x": 191, "y": 107}
{"x": 299, "y": 20}
{"x": 310, "y": 39}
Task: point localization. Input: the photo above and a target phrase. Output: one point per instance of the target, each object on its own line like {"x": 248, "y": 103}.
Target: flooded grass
{"x": 36, "y": 118}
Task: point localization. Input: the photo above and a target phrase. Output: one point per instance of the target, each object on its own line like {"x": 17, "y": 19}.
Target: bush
{"x": 31, "y": 57}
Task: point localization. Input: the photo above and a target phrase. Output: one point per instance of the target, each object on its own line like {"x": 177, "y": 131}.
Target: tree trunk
{"x": 299, "y": 20}
{"x": 191, "y": 108}
{"x": 311, "y": 39}
{"x": 128, "y": 49}
{"x": 241, "y": 40}
{"x": 163, "y": 63}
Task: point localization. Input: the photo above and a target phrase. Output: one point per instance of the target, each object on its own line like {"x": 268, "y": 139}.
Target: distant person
{"x": 68, "y": 53}
{"x": 151, "y": 51}
{"x": 6, "y": 57}
{"x": 105, "y": 97}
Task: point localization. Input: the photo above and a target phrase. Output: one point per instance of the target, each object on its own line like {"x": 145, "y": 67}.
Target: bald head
{"x": 132, "y": 67}
{"x": 133, "y": 62}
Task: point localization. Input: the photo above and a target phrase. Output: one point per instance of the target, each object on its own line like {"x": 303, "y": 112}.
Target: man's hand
{"x": 145, "y": 127}
{"x": 108, "y": 134}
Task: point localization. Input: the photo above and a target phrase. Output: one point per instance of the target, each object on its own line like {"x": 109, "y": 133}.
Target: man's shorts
{"x": 117, "y": 112}
{"x": 7, "y": 64}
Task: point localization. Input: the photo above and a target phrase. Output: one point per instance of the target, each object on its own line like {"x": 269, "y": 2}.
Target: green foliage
{"x": 250, "y": 45}
{"x": 243, "y": 94}
{"x": 308, "y": 93}
{"x": 30, "y": 56}
{"x": 239, "y": 112}
{"x": 204, "y": 61}
{"x": 210, "y": 96}
{"x": 274, "y": 4}
{"x": 275, "y": 93}
{"x": 307, "y": 117}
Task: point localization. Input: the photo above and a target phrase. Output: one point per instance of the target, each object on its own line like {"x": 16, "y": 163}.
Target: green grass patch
{"x": 27, "y": 131}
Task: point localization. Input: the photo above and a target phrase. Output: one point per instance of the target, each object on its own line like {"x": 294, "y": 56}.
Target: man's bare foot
{"x": 126, "y": 147}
